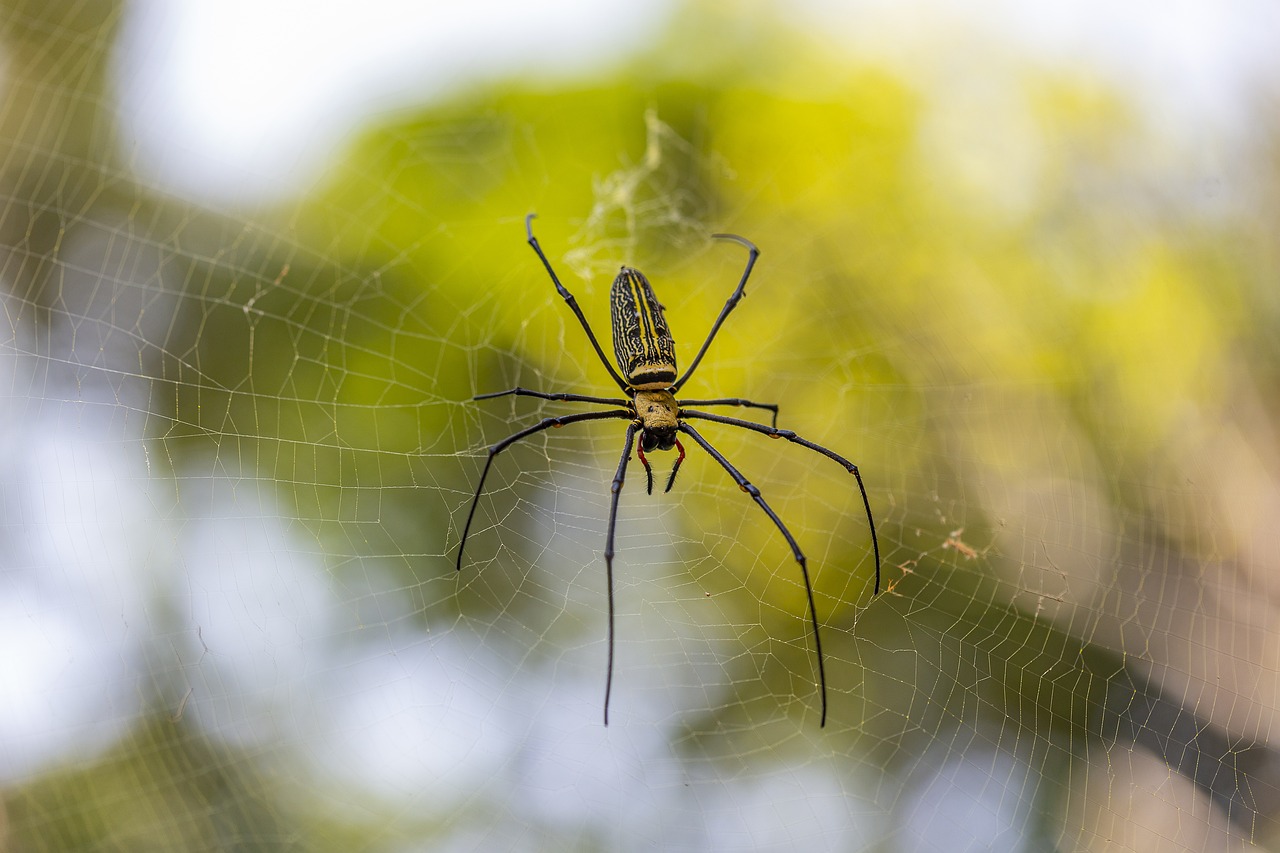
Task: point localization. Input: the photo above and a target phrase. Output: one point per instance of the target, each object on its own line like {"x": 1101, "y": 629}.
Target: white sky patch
{"x": 977, "y": 800}
{"x": 243, "y": 100}
{"x": 74, "y": 556}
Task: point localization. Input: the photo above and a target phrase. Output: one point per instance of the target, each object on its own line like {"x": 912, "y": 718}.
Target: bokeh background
{"x": 1018, "y": 262}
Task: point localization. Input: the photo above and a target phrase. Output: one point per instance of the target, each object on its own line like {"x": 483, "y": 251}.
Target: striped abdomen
{"x": 641, "y": 340}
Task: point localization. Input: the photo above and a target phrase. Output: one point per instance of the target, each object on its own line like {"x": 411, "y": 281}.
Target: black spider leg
{"x": 545, "y": 423}
{"x": 729, "y": 305}
{"x": 571, "y": 398}
{"x": 792, "y": 437}
{"x": 571, "y": 302}
{"x": 733, "y": 401}
{"x": 746, "y": 486}
{"x": 615, "y": 489}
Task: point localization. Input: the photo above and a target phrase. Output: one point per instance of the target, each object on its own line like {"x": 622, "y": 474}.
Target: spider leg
{"x": 795, "y": 439}
{"x": 733, "y": 401}
{"x": 675, "y": 468}
{"x": 545, "y": 423}
{"x": 615, "y": 489}
{"x": 729, "y": 305}
{"x": 795, "y": 549}
{"x": 570, "y": 301}
{"x": 647, "y": 470}
{"x": 570, "y": 398}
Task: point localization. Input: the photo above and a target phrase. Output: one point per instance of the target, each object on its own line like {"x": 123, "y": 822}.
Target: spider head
{"x": 660, "y": 416}
{"x": 657, "y": 439}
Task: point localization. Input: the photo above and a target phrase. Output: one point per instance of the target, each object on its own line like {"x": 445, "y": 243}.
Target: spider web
{"x": 239, "y": 448}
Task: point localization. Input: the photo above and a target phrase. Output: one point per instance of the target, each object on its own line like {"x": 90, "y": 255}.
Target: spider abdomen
{"x": 641, "y": 340}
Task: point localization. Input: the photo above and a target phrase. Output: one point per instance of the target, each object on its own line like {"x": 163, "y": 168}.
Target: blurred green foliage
{"x": 953, "y": 336}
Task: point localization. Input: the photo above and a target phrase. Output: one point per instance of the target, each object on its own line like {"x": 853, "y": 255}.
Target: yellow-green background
{"x": 1041, "y": 333}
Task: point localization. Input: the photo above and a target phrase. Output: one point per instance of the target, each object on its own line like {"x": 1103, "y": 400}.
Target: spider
{"x": 646, "y": 355}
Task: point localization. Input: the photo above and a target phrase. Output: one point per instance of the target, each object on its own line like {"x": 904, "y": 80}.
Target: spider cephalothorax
{"x": 659, "y": 418}
{"x": 646, "y": 354}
